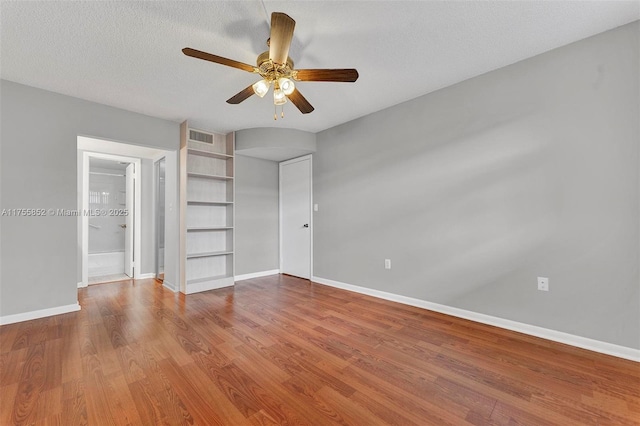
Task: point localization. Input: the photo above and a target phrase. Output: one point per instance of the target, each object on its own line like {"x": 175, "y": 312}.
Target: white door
{"x": 128, "y": 230}
{"x": 295, "y": 217}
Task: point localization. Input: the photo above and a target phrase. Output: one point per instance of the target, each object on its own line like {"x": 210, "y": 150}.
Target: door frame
{"x": 129, "y": 220}
{"x": 284, "y": 163}
{"x": 156, "y": 225}
{"x": 137, "y": 202}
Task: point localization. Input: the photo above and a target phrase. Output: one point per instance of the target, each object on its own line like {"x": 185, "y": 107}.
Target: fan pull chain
{"x": 282, "y": 111}
{"x": 275, "y": 112}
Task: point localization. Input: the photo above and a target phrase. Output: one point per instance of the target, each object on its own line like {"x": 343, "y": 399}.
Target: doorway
{"x": 144, "y": 217}
{"x": 110, "y": 215}
{"x": 160, "y": 172}
{"x": 296, "y": 221}
{"x": 110, "y": 218}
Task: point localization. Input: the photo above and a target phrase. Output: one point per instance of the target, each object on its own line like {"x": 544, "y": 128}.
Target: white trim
{"x": 137, "y": 237}
{"x": 284, "y": 163}
{"x": 532, "y": 330}
{"x": 311, "y": 215}
{"x": 154, "y": 203}
{"x": 82, "y": 285}
{"x": 159, "y": 156}
{"x": 256, "y": 275}
{"x": 84, "y": 199}
{"x": 169, "y": 286}
{"x": 41, "y": 313}
{"x": 146, "y": 276}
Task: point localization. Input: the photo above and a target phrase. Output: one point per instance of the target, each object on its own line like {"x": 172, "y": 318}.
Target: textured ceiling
{"x": 128, "y": 53}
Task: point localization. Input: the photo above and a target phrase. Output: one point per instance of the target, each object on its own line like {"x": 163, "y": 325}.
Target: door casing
{"x": 129, "y": 243}
{"x": 137, "y": 235}
{"x": 281, "y": 164}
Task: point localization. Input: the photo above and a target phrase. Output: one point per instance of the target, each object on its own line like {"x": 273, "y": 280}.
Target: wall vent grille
{"x": 195, "y": 135}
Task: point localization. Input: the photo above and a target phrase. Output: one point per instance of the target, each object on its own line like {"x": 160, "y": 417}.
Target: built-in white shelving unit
{"x": 206, "y": 210}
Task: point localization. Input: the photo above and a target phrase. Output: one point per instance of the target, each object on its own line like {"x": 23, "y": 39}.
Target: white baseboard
{"x": 169, "y": 286}
{"x": 145, "y": 276}
{"x": 26, "y": 316}
{"x": 82, "y": 285}
{"x": 532, "y": 330}
{"x": 256, "y": 275}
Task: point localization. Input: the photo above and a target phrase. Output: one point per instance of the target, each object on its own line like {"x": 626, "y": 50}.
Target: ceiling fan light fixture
{"x": 286, "y": 85}
{"x": 276, "y": 67}
{"x": 261, "y": 88}
{"x": 279, "y": 97}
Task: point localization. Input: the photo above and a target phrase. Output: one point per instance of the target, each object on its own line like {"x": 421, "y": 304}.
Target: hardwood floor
{"x": 280, "y": 350}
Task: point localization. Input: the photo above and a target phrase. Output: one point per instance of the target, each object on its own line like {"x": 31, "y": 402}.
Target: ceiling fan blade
{"x": 281, "y": 34}
{"x": 241, "y": 95}
{"x": 348, "y": 75}
{"x": 217, "y": 59}
{"x": 300, "y": 102}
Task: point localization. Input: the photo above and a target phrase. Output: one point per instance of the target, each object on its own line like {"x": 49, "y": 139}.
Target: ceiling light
{"x": 261, "y": 88}
{"x": 279, "y": 97}
{"x": 286, "y": 85}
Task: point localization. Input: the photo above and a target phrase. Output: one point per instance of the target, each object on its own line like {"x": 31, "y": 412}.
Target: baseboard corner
{"x": 169, "y": 286}
{"x": 145, "y": 276}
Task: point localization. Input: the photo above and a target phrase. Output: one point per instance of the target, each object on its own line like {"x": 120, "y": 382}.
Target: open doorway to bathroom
{"x": 111, "y": 217}
{"x": 153, "y": 219}
{"x": 111, "y": 225}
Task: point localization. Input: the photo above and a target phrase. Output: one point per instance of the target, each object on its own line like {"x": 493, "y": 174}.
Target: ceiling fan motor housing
{"x": 271, "y": 71}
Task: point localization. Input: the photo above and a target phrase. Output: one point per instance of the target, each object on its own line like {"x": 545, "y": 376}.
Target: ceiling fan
{"x": 276, "y": 68}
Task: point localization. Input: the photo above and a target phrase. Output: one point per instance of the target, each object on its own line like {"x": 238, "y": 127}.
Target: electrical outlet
{"x": 387, "y": 264}
{"x": 543, "y": 284}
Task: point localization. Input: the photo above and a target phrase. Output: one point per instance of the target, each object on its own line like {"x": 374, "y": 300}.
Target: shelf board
{"x": 205, "y": 279}
{"x": 211, "y": 154}
{"x": 206, "y": 176}
{"x": 209, "y": 228}
{"x": 209, "y": 254}
{"x": 209, "y": 203}
{"x": 208, "y": 283}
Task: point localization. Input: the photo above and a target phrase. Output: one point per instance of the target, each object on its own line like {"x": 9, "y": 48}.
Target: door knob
{"x": 306, "y": 225}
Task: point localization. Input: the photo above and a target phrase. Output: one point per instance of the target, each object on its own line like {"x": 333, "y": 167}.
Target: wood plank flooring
{"x": 280, "y": 350}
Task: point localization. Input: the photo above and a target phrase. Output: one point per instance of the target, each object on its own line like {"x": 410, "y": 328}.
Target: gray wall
{"x": 475, "y": 190}
{"x": 256, "y": 215}
{"x": 38, "y": 134}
